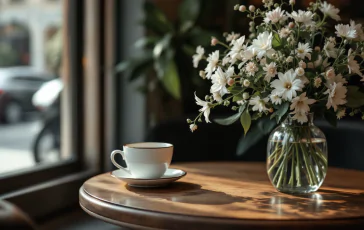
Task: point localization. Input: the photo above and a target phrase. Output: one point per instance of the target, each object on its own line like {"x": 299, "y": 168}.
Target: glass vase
{"x": 297, "y": 157}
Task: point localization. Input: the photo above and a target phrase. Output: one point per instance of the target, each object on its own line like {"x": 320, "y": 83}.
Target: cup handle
{"x": 112, "y": 157}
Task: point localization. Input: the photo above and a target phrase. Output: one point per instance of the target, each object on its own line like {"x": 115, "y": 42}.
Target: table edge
{"x": 172, "y": 220}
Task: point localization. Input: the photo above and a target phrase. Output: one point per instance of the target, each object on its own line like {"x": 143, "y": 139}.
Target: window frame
{"x": 55, "y": 186}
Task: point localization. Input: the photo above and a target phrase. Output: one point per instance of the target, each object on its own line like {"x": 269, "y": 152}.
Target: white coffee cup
{"x": 146, "y": 160}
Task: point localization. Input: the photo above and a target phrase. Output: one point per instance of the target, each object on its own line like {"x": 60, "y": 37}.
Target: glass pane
{"x": 30, "y": 83}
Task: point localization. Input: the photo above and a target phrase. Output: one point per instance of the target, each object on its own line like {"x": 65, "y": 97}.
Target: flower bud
{"x": 231, "y": 81}
{"x": 189, "y": 120}
{"x": 202, "y": 74}
{"x": 252, "y": 35}
{"x": 236, "y": 7}
{"x": 302, "y": 64}
{"x": 246, "y": 83}
{"x": 271, "y": 110}
{"x": 207, "y": 97}
{"x": 276, "y": 5}
{"x": 317, "y": 48}
{"x": 330, "y": 74}
{"x": 226, "y": 103}
{"x": 251, "y": 29}
{"x": 214, "y": 41}
{"x": 251, "y": 8}
{"x": 300, "y": 71}
{"x": 199, "y": 120}
{"x": 251, "y": 23}
{"x": 245, "y": 96}
{"x": 242, "y": 8}
{"x": 291, "y": 25}
{"x": 292, "y": 2}
{"x": 234, "y": 108}
{"x": 193, "y": 127}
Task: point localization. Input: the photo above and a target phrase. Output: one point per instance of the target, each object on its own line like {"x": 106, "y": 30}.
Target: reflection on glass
{"x": 30, "y": 84}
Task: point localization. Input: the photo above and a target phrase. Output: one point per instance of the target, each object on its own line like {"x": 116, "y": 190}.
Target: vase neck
{"x": 289, "y": 121}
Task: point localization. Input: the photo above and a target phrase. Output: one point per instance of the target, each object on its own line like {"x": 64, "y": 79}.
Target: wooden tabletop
{"x": 226, "y": 195}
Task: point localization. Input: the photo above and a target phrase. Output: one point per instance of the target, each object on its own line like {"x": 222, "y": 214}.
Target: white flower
{"x": 205, "y": 108}
{"x": 275, "y": 99}
{"x": 336, "y": 95}
{"x": 238, "y": 46}
{"x": 245, "y": 56}
{"x": 330, "y": 49}
{"x": 317, "y": 82}
{"x": 332, "y": 39}
{"x": 340, "y": 114}
{"x": 303, "y": 50}
{"x": 213, "y": 60}
{"x": 193, "y": 127}
{"x": 304, "y": 80}
{"x": 301, "y": 103}
{"x": 225, "y": 60}
{"x": 262, "y": 44}
{"x": 287, "y": 85}
{"x": 198, "y": 56}
{"x": 300, "y": 117}
{"x": 358, "y": 29}
{"x": 345, "y": 31}
{"x": 274, "y": 16}
{"x": 318, "y": 62}
{"x": 271, "y": 71}
{"x": 268, "y": 3}
{"x": 330, "y": 73}
{"x": 304, "y": 17}
{"x": 217, "y": 97}
{"x": 300, "y": 71}
{"x": 302, "y": 64}
{"x": 258, "y": 103}
{"x": 219, "y": 81}
{"x": 251, "y": 68}
{"x": 353, "y": 65}
{"x": 338, "y": 79}
{"x": 330, "y": 11}
{"x": 246, "y": 96}
{"x": 232, "y": 36}
{"x": 284, "y": 32}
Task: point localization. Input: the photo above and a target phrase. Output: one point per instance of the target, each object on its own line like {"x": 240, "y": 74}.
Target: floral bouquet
{"x": 290, "y": 66}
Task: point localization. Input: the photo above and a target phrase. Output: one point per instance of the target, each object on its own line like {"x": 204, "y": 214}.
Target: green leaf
{"x": 136, "y": 67}
{"x": 188, "y": 12}
{"x": 237, "y": 98}
{"x": 122, "y": 66}
{"x": 276, "y": 41}
{"x": 330, "y": 116}
{"x": 354, "y": 97}
{"x": 161, "y": 63}
{"x": 171, "y": 80}
{"x": 149, "y": 41}
{"x": 236, "y": 89}
{"x": 162, "y": 45}
{"x": 280, "y": 112}
{"x": 229, "y": 120}
{"x": 155, "y": 20}
{"x": 259, "y": 130}
{"x": 246, "y": 120}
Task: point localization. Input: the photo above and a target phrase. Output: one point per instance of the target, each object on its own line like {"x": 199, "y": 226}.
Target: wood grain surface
{"x": 227, "y": 194}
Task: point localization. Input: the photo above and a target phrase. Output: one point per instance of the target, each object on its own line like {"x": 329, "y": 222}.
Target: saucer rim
{"x": 142, "y": 179}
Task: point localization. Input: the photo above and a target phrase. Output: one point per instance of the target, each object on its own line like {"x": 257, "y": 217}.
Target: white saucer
{"x": 169, "y": 176}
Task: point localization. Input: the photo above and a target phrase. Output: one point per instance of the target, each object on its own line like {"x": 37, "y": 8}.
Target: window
{"x": 56, "y": 178}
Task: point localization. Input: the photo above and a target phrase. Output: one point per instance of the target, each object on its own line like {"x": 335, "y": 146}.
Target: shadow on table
{"x": 190, "y": 193}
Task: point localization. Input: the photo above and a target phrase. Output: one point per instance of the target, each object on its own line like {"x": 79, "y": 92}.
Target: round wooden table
{"x": 226, "y": 195}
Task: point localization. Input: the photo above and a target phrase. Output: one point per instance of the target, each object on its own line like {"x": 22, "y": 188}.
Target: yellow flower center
{"x": 287, "y": 85}
{"x": 301, "y": 51}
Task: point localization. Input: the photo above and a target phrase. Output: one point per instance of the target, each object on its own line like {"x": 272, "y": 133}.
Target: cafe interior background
{"x": 78, "y": 79}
